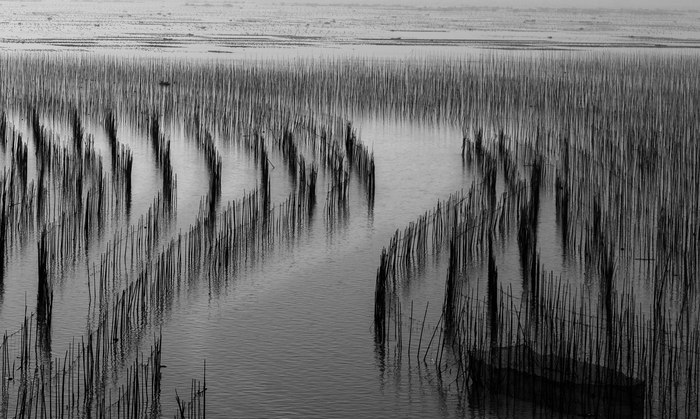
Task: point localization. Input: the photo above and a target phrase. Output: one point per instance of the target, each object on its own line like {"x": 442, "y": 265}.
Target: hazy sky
{"x": 627, "y": 4}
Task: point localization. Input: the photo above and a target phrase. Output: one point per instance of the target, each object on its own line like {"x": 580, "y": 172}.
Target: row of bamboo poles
{"x": 138, "y": 264}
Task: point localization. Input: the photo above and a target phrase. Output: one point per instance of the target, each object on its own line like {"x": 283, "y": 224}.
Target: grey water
{"x": 292, "y": 335}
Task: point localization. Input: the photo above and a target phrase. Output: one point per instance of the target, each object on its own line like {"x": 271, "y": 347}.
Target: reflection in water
{"x": 294, "y": 333}
{"x": 224, "y": 251}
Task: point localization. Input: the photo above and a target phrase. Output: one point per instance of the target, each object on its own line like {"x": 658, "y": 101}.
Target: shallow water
{"x": 292, "y": 336}
{"x": 298, "y": 330}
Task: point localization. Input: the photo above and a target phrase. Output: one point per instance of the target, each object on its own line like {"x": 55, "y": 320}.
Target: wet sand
{"x": 237, "y": 27}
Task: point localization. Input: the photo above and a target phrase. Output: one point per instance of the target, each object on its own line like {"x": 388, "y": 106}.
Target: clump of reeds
{"x": 3, "y": 226}
{"x": 337, "y": 192}
{"x": 452, "y": 300}
{"x": 44, "y": 300}
{"x": 122, "y": 164}
{"x": 77, "y": 132}
{"x": 3, "y": 131}
{"x": 206, "y": 144}
{"x": 264, "y": 173}
{"x": 123, "y": 168}
{"x": 380, "y": 300}
{"x": 161, "y": 149}
{"x": 111, "y": 128}
{"x": 493, "y": 297}
{"x": 196, "y": 406}
{"x": 290, "y": 153}
{"x": 75, "y": 385}
{"x": 362, "y": 160}
{"x": 311, "y": 196}
{"x": 527, "y": 230}
{"x": 16, "y": 199}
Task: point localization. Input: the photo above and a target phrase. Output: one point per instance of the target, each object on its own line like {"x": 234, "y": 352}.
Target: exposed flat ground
{"x": 237, "y": 27}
